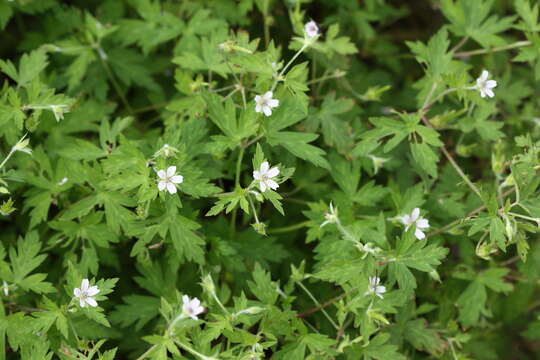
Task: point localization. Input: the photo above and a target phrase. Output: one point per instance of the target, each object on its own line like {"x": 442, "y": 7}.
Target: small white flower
{"x": 485, "y": 86}
{"x": 311, "y": 29}
{"x": 330, "y": 216}
{"x": 168, "y": 179}
{"x": 86, "y": 294}
{"x": 367, "y": 249}
{"x": 63, "y": 181}
{"x": 265, "y": 103}
{"x": 264, "y": 175}
{"x": 5, "y": 287}
{"x": 374, "y": 287}
{"x": 192, "y": 307}
{"x": 415, "y": 219}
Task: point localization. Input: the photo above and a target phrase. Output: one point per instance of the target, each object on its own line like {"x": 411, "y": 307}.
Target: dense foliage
{"x": 269, "y": 179}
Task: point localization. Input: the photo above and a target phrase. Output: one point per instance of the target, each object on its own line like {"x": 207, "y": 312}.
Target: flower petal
{"x": 490, "y": 93}
{"x": 419, "y": 234}
{"x": 84, "y": 285}
{"x": 258, "y": 99}
{"x": 422, "y": 223}
{"x": 256, "y": 175}
{"x": 273, "y": 172}
{"x": 162, "y": 185}
{"x": 484, "y": 76}
{"x": 91, "y": 301}
{"x": 262, "y": 186}
{"x": 267, "y": 110}
{"x": 272, "y": 184}
{"x": 185, "y": 299}
{"x": 415, "y": 214}
{"x": 483, "y": 93}
{"x": 92, "y": 290}
{"x": 171, "y": 188}
{"x": 264, "y": 168}
{"x": 490, "y": 84}
{"x": 77, "y": 292}
{"x": 171, "y": 171}
{"x": 177, "y": 179}
{"x": 258, "y": 108}
{"x": 268, "y": 95}
{"x": 82, "y": 302}
{"x": 273, "y": 103}
{"x": 161, "y": 174}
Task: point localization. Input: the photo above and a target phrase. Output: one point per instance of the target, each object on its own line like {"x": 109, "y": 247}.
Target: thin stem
{"x": 11, "y": 152}
{"x": 455, "y": 164}
{"x": 116, "y": 86}
{"x": 278, "y": 78}
{"x": 345, "y": 233}
{"x": 290, "y": 228}
{"x": 459, "y": 44}
{"x": 427, "y": 105}
{"x": 515, "y": 45}
{"x": 335, "y": 75}
{"x": 236, "y": 186}
{"x": 458, "y": 221}
{"x": 320, "y": 307}
{"x": 253, "y": 209}
{"x": 192, "y": 351}
{"x": 147, "y": 352}
{"x": 318, "y": 304}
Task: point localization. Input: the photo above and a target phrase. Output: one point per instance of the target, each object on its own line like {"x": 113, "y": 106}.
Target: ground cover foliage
{"x": 264, "y": 179}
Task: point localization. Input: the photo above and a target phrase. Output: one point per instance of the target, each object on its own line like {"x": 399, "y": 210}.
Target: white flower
{"x": 192, "y": 307}
{"x": 419, "y": 222}
{"x": 330, "y": 216}
{"x": 484, "y": 85}
{"x": 264, "y": 175}
{"x": 168, "y": 179}
{"x": 86, "y": 294}
{"x": 367, "y": 249}
{"x": 63, "y": 181}
{"x": 311, "y": 29}
{"x": 265, "y": 103}
{"x": 374, "y": 287}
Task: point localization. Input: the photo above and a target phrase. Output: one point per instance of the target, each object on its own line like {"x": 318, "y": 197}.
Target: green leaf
{"x": 298, "y": 144}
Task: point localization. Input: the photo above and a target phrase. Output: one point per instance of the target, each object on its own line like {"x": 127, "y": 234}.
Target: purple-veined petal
{"x": 77, "y": 292}
{"x": 84, "y": 285}
{"x": 262, "y": 186}
{"x": 419, "y": 234}
{"x": 415, "y": 214}
{"x": 422, "y": 223}
{"x": 171, "y": 171}
{"x": 177, "y": 179}
{"x": 272, "y": 184}
{"x": 264, "y": 168}
{"x": 273, "y": 172}
{"x": 161, "y": 174}
{"x": 162, "y": 185}
{"x": 171, "y": 188}
{"x": 91, "y": 301}
{"x": 92, "y": 290}
{"x": 267, "y": 110}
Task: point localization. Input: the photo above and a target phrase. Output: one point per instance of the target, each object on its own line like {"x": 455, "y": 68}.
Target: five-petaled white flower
{"x": 86, "y": 293}
{"x": 168, "y": 179}
{"x": 419, "y": 222}
{"x": 374, "y": 287}
{"x": 264, "y": 175}
{"x": 311, "y": 29}
{"x": 485, "y": 86}
{"x": 191, "y": 307}
{"x": 265, "y": 103}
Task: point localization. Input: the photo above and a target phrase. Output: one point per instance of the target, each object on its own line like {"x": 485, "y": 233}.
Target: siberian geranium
{"x": 191, "y": 307}
{"x": 485, "y": 86}
{"x": 265, "y": 177}
{"x": 168, "y": 179}
{"x": 374, "y": 288}
{"x": 86, "y": 294}
{"x": 311, "y": 29}
{"x": 265, "y": 103}
{"x": 419, "y": 222}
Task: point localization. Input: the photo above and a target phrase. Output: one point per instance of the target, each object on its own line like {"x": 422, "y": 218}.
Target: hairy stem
{"x": 515, "y": 45}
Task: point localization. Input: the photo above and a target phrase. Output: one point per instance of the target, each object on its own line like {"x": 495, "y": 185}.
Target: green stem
{"x": 110, "y": 74}
{"x": 321, "y": 307}
{"x": 147, "y": 352}
{"x": 236, "y": 187}
{"x": 290, "y": 228}
{"x": 278, "y": 78}
{"x": 515, "y": 45}
{"x": 192, "y": 351}
{"x": 11, "y": 152}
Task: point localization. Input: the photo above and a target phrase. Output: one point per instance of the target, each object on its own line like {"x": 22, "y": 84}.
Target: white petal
{"x": 93, "y": 290}
{"x": 483, "y": 93}
{"x": 422, "y": 223}
{"x": 380, "y": 289}
{"x": 256, "y": 175}
{"x": 272, "y": 184}
{"x": 258, "y": 99}
{"x": 273, "y": 103}
{"x": 258, "y": 108}
{"x": 268, "y": 95}
{"x": 484, "y": 76}
{"x": 178, "y": 179}
{"x": 415, "y": 214}
{"x": 171, "y": 171}
{"x": 490, "y": 93}
{"x": 267, "y": 110}
{"x": 264, "y": 168}
{"x": 193, "y": 316}
{"x": 273, "y": 172}
{"x": 84, "y": 285}
{"x": 490, "y": 84}
{"x": 262, "y": 186}
{"x": 185, "y": 299}
{"x": 90, "y": 301}
{"x": 82, "y": 302}
{"x": 405, "y": 219}
{"x": 161, "y": 174}
{"x": 171, "y": 188}
{"x": 162, "y": 185}
{"x": 419, "y": 234}
{"x": 77, "y": 292}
